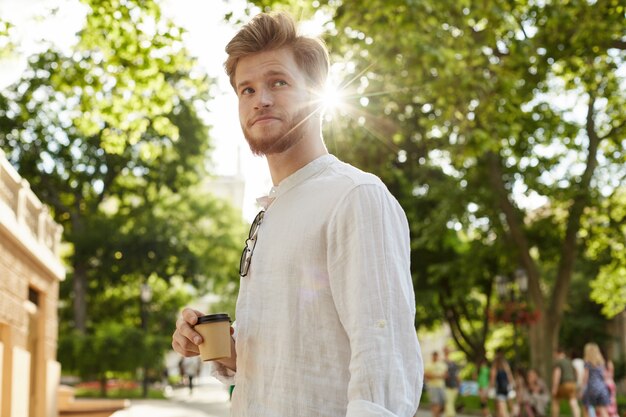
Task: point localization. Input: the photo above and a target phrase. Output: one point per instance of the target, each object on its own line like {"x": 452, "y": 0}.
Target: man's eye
{"x": 279, "y": 83}
{"x": 247, "y": 90}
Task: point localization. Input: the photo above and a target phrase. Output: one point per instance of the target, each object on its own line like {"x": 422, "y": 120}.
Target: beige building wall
{"x": 30, "y": 272}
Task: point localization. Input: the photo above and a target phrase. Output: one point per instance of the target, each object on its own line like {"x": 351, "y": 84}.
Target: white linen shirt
{"x": 325, "y": 316}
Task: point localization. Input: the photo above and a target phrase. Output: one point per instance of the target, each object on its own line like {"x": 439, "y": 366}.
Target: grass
{"x": 119, "y": 393}
{"x": 471, "y": 404}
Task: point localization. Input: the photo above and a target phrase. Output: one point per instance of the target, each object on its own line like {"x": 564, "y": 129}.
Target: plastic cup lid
{"x": 211, "y": 318}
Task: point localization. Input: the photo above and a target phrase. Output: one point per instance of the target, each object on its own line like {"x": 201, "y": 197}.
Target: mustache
{"x": 262, "y": 113}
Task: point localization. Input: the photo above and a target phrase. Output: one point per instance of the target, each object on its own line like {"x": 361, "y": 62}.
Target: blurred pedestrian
{"x": 191, "y": 369}
{"x": 483, "y": 386}
{"x": 434, "y": 375}
{"x": 501, "y": 379}
{"x": 522, "y": 394}
{"x": 596, "y": 392}
{"x": 452, "y": 382}
{"x": 538, "y": 393}
{"x": 610, "y": 383}
{"x": 579, "y": 366}
{"x": 563, "y": 383}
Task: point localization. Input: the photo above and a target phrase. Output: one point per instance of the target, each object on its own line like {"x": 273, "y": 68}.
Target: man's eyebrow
{"x": 270, "y": 73}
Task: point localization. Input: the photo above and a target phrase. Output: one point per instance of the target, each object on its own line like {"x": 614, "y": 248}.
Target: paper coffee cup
{"x": 215, "y": 331}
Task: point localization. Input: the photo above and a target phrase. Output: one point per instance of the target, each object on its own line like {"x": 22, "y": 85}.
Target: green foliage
{"x": 153, "y": 394}
{"x": 585, "y": 321}
{"x": 107, "y": 349}
{"x": 7, "y": 45}
{"x": 462, "y": 121}
{"x": 110, "y": 137}
{"x": 606, "y": 243}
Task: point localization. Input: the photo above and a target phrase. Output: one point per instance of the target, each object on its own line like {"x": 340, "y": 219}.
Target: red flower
{"x": 517, "y": 312}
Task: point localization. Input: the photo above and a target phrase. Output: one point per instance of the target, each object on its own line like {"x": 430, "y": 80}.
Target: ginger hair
{"x": 271, "y": 31}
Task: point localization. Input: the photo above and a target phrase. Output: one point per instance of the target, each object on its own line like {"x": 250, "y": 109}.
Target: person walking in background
{"x": 434, "y": 375}
{"x": 501, "y": 379}
{"x": 326, "y": 306}
{"x": 452, "y": 383}
{"x": 579, "y": 366}
{"x": 191, "y": 369}
{"x": 538, "y": 393}
{"x": 595, "y": 391}
{"x": 522, "y": 395}
{"x": 563, "y": 383}
{"x": 483, "y": 386}
{"x": 610, "y": 383}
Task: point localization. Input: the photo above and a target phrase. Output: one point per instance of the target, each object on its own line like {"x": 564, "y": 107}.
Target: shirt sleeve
{"x": 223, "y": 374}
{"x": 371, "y": 284}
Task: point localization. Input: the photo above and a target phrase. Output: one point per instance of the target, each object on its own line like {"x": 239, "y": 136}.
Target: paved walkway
{"x": 209, "y": 399}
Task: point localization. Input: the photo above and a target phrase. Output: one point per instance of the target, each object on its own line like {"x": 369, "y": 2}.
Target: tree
{"x": 110, "y": 137}
{"x": 7, "y": 45}
{"x": 456, "y": 104}
{"x": 89, "y": 127}
{"x": 607, "y": 224}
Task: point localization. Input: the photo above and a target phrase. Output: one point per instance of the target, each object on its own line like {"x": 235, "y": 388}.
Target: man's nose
{"x": 264, "y": 98}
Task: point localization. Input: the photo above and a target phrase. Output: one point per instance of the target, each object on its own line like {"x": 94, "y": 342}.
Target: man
{"x": 435, "y": 374}
{"x": 563, "y": 383}
{"x": 325, "y": 313}
{"x": 452, "y": 382}
{"x": 190, "y": 368}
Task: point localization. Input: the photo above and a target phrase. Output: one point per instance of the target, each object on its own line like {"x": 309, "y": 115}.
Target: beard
{"x": 266, "y": 143}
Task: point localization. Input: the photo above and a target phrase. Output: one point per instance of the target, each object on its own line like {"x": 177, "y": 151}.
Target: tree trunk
{"x": 543, "y": 341}
{"x": 544, "y": 335}
{"x": 79, "y": 284}
{"x": 103, "y": 386}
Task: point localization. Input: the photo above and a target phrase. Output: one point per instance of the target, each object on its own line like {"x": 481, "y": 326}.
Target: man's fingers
{"x": 185, "y": 323}
{"x": 185, "y": 331}
{"x": 184, "y": 351}
{"x": 185, "y": 340}
{"x": 191, "y": 316}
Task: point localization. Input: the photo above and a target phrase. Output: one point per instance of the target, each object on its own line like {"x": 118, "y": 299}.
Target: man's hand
{"x": 185, "y": 339}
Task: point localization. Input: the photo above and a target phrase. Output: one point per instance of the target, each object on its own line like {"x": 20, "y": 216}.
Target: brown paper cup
{"x": 215, "y": 330}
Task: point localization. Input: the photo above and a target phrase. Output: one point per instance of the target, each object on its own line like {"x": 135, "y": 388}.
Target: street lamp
{"x": 505, "y": 287}
{"x": 522, "y": 279}
{"x": 145, "y": 295}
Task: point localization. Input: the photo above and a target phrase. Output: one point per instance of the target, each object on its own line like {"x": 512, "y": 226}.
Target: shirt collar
{"x": 312, "y": 168}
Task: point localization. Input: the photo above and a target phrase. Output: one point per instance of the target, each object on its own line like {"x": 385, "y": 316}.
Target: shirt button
{"x": 272, "y": 191}
{"x": 381, "y": 324}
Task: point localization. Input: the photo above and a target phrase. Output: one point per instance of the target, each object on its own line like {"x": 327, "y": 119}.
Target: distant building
{"x": 229, "y": 187}
{"x": 30, "y": 272}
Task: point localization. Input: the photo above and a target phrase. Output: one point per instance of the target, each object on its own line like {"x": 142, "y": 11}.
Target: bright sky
{"x": 206, "y": 38}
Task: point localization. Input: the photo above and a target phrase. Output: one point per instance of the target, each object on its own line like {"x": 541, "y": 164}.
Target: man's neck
{"x": 286, "y": 163}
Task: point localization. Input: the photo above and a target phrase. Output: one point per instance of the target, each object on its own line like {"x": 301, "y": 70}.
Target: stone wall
{"x": 30, "y": 272}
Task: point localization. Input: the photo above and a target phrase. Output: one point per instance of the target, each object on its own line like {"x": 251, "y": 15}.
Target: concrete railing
{"x": 15, "y": 193}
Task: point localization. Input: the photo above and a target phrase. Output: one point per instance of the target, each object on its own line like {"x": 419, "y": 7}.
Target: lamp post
{"x": 506, "y": 289}
{"x": 145, "y": 295}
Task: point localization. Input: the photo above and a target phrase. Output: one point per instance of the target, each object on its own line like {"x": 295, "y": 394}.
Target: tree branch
{"x": 515, "y": 228}
{"x": 615, "y": 130}
{"x": 454, "y": 320}
{"x": 618, "y": 44}
{"x": 53, "y": 198}
{"x": 568, "y": 248}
